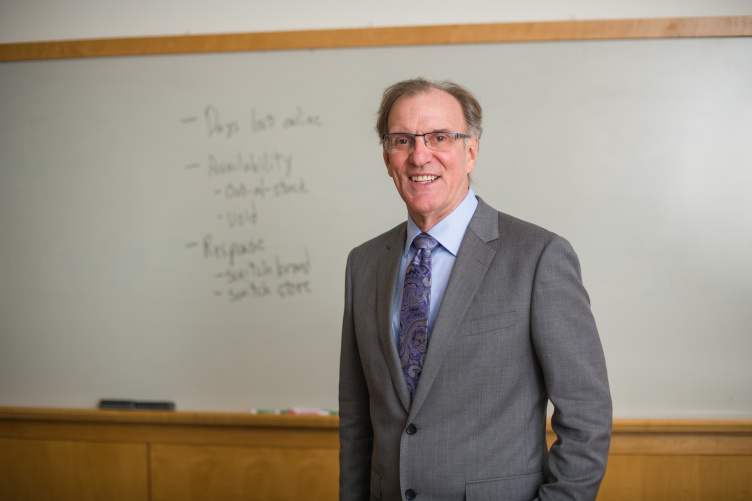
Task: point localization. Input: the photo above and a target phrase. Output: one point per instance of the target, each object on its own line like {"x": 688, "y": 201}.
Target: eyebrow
{"x": 413, "y": 133}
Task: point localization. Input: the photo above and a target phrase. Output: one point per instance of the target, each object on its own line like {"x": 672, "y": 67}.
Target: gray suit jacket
{"x": 514, "y": 330}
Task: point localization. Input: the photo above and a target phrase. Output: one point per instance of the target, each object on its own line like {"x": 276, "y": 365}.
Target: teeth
{"x": 423, "y": 179}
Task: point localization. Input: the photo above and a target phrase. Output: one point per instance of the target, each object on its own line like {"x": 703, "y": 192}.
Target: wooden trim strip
{"x": 230, "y": 419}
{"x": 630, "y": 437}
{"x": 681, "y": 437}
{"x": 729, "y": 26}
{"x": 216, "y": 419}
{"x": 681, "y": 444}
{"x": 655, "y": 426}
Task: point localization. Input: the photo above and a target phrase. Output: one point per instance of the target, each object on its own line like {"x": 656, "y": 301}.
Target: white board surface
{"x": 176, "y": 227}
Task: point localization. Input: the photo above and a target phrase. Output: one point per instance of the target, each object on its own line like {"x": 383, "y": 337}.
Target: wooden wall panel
{"x": 198, "y": 473}
{"x": 67, "y": 454}
{"x": 43, "y": 470}
{"x": 677, "y": 478}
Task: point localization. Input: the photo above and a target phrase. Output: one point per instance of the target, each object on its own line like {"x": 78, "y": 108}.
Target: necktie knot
{"x": 425, "y": 241}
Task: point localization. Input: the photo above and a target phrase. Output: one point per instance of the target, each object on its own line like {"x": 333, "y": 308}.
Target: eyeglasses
{"x": 404, "y": 141}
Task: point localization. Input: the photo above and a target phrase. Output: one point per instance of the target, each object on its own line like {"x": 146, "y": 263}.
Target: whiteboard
{"x": 176, "y": 227}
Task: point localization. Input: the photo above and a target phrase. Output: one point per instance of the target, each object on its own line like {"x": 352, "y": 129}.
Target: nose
{"x": 420, "y": 153}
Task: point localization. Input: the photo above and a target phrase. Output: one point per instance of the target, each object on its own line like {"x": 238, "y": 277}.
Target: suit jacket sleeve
{"x": 356, "y": 432}
{"x": 568, "y": 348}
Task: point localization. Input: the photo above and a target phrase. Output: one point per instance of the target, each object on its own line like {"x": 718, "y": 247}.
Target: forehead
{"x": 427, "y": 111}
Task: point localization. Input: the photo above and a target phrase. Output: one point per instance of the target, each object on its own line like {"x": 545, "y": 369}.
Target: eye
{"x": 402, "y": 140}
{"x": 440, "y": 137}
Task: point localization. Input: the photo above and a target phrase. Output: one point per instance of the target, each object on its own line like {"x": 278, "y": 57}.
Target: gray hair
{"x": 470, "y": 106}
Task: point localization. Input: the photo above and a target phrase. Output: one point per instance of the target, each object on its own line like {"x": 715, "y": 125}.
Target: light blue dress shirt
{"x": 449, "y": 232}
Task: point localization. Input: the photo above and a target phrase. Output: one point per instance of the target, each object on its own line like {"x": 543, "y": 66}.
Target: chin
{"x": 424, "y": 209}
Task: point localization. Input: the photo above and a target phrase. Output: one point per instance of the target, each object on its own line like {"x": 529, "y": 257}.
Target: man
{"x": 453, "y": 342}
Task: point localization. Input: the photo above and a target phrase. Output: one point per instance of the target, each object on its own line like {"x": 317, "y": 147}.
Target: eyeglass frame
{"x": 456, "y": 136}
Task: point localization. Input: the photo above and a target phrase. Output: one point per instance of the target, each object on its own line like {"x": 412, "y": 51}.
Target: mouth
{"x": 423, "y": 179}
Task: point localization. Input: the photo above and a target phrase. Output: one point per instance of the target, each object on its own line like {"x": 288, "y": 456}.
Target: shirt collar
{"x": 450, "y": 230}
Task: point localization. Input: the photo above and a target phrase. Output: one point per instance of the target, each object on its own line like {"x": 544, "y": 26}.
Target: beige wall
{"x": 35, "y": 20}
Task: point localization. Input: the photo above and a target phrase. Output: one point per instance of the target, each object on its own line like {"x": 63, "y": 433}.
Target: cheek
{"x": 392, "y": 172}
{"x": 393, "y": 166}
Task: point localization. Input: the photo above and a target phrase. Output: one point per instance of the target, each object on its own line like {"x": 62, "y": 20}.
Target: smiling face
{"x": 431, "y": 183}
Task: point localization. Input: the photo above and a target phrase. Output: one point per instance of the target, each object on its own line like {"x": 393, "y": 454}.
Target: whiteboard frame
{"x": 693, "y": 27}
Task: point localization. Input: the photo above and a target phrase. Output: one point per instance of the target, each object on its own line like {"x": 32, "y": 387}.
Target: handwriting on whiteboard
{"x": 240, "y": 178}
{"x": 259, "y": 121}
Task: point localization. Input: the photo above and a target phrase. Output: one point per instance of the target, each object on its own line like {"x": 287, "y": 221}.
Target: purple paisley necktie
{"x": 416, "y": 301}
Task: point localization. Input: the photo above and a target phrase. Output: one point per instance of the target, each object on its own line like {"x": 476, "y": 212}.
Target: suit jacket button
{"x": 411, "y": 429}
{"x": 410, "y": 494}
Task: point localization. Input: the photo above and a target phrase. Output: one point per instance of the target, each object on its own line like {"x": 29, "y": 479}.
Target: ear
{"x": 472, "y": 153}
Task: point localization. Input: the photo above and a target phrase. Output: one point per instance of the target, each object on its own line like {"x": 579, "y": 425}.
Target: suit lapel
{"x": 473, "y": 259}
{"x": 388, "y": 269}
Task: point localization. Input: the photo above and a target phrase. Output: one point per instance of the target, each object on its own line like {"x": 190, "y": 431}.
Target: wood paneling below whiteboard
{"x": 194, "y": 456}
